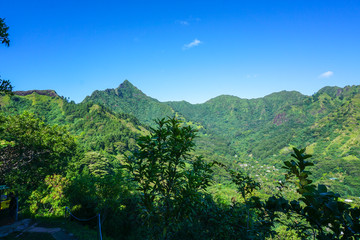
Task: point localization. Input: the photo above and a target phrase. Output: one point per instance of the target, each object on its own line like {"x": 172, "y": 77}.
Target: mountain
{"x": 97, "y": 128}
{"x": 128, "y": 99}
{"x": 259, "y": 132}
{"x": 264, "y": 130}
{"x": 244, "y": 118}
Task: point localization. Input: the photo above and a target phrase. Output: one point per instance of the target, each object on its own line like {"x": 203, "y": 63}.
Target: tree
{"x": 319, "y": 213}
{"x": 5, "y": 86}
{"x": 4, "y": 35}
{"x": 30, "y": 150}
{"x": 49, "y": 198}
{"x": 168, "y": 176}
{"x": 97, "y": 164}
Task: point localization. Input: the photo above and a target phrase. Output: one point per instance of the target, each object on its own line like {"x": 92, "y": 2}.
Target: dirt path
{"x": 57, "y": 233}
{"x": 26, "y": 230}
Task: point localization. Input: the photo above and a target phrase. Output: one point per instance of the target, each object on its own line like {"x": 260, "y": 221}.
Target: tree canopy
{"x": 31, "y": 150}
{"x": 5, "y": 86}
{"x": 4, "y": 35}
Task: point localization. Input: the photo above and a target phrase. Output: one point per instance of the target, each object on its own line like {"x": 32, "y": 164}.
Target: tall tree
{"x": 4, "y": 35}
{"x": 169, "y": 177}
{"x": 5, "y": 86}
{"x": 31, "y": 150}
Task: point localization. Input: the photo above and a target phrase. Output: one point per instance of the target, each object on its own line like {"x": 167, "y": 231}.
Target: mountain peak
{"x": 129, "y": 99}
{"x": 126, "y": 89}
{"x": 126, "y": 84}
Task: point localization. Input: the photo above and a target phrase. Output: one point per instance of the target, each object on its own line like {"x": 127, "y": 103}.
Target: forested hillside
{"x": 201, "y": 167}
{"x": 264, "y": 130}
{"x": 232, "y": 130}
{"x": 95, "y": 126}
{"x": 128, "y": 99}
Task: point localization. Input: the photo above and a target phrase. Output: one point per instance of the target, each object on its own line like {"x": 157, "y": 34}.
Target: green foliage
{"x": 232, "y": 130}
{"x": 263, "y": 130}
{"x": 99, "y": 185}
{"x": 97, "y": 164}
{"x": 100, "y": 129}
{"x": 171, "y": 195}
{"x": 297, "y": 168}
{"x": 95, "y": 127}
{"x": 4, "y": 35}
{"x": 128, "y": 99}
{"x": 326, "y": 216}
{"x": 32, "y": 150}
{"x": 244, "y": 184}
{"x": 5, "y": 87}
{"x": 49, "y": 200}
{"x": 168, "y": 180}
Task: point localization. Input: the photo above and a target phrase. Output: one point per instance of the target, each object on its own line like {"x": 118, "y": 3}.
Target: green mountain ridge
{"x": 264, "y": 129}
{"x": 259, "y": 131}
{"x": 128, "y": 99}
{"x": 96, "y": 127}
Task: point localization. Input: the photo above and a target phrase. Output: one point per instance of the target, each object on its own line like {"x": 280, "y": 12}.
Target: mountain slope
{"x": 128, "y": 99}
{"x": 265, "y": 129}
{"x": 96, "y": 127}
{"x": 232, "y": 130}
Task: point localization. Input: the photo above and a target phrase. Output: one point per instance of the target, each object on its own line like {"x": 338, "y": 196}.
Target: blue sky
{"x": 181, "y": 50}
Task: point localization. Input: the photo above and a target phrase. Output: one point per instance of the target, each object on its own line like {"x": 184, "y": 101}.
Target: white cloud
{"x": 188, "y": 21}
{"x": 326, "y": 74}
{"x": 183, "y": 22}
{"x": 194, "y": 43}
{"x": 252, "y": 75}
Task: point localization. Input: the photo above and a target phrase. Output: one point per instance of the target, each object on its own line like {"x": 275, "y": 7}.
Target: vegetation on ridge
{"x": 150, "y": 183}
{"x": 263, "y": 131}
{"x": 161, "y": 192}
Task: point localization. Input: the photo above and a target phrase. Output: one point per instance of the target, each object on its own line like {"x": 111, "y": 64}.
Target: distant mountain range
{"x": 259, "y": 131}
